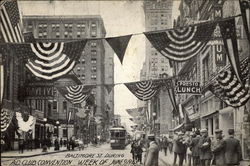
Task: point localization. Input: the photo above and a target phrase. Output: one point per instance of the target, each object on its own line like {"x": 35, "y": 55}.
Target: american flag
{"x": 183, "y": 43}
{"x": 228, "y": 88}
{"x": 51, "y": 60}
{"x": 76, "y": 94}
{"x": 228, "y": 32}
{"x": 10, "y": 23}
{"x": 245, "y": 12}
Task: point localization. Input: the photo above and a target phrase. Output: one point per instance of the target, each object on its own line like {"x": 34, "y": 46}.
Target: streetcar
{"x": 118, "y": 137}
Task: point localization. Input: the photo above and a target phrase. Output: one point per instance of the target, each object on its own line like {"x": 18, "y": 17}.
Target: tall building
{"x": 90, "y": 69}
{"x": 158, "y": 16}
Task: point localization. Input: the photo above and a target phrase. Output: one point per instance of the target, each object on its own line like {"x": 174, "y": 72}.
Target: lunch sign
{"x": 188, "y": 87}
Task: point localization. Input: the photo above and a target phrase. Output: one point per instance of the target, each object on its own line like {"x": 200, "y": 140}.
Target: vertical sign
{"x": 220, "y": 56}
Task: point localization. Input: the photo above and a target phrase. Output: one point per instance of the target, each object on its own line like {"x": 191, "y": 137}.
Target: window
{"x": 93, "y": 33}
{"x": 65, "y": 133}
{"x": 78, "y": 34}
{"x": 93, "y": 52}
{"x": 55, "y": 105}
{"x": 93, "y": 60}
{"x": 83, "y": 76}
{"x": 83, "y": 61}
{"x": 83, "y": 68}
{"x": 64, "y": 106}
{"x": 93, "y": 44}
{"x": 93, "y": 76}
{"x": 205, "y": 69}
{"x": 93, "y": 69}
{"x": 78, "y": 68}
{"x": 93, "y": 25}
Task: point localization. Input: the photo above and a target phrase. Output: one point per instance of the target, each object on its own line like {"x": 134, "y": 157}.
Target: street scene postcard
{"x": 125, "y": 82}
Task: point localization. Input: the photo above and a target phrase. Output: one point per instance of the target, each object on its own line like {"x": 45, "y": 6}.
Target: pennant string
{"x": 134, "y": 34}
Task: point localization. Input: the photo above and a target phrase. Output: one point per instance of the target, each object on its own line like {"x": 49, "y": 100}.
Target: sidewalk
{"x": 28, "y": 153}
{"x": 169, "y": 159}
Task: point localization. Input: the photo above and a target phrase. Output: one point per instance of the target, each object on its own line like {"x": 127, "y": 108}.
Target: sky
{"x": 120, "y": 18}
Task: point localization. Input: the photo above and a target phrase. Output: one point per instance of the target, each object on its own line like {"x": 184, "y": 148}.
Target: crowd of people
{"x": 195, "y": 148}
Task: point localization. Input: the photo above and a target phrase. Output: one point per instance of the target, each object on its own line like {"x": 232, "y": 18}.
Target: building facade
{"x": 90, "y": 69}
{"x": 206, "y": 110}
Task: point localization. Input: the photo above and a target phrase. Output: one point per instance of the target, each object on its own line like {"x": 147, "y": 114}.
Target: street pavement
{"x": 92, "y": 155}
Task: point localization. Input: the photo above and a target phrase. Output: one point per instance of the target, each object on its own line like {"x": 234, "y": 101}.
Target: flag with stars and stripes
{"x": 228, "y": 88}
{"x": 10, "y": 28}
{"x": 182, "y": 43}
{"x": 76, "y": 94}
{"x": 50, "y": 60}
{"x": 245, "y": 12}
{"x": 228, "y": 32}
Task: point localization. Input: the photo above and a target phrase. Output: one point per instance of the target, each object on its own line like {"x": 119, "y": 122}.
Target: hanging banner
{"x": 188, "y": 87}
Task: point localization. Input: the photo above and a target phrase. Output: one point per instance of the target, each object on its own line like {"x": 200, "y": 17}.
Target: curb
{"x": 40, "y": 154}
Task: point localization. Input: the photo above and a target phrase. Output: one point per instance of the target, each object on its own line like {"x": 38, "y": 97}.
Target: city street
{"x": 92, "y": 155}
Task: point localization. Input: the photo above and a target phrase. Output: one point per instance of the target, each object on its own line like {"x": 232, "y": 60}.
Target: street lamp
{"x": 154, "y": 116}
{"x": 44, "y": 133}
{"x": 57, "y": 125}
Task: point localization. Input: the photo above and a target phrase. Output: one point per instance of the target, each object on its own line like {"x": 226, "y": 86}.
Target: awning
{"x": 178, "y": 127}
{"x": 210, "y": 114}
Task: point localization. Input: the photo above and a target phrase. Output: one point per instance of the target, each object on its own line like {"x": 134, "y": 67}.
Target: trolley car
{"x": 118, "y": 137}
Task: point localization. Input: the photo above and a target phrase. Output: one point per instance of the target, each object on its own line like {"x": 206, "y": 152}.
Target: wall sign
{"x": 188, "y": 87}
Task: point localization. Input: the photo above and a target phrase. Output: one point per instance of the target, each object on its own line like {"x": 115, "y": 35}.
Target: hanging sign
{"x": 188, "y": 87}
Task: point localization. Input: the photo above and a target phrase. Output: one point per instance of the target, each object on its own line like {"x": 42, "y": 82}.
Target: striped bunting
{"x": 228, "y": 88}
{"x": 183, "y": 43}
{"x": 51, "y": 60}
{"x": 145, "y": 90}
{"x": 6, "y": 117}
{"x": 76, "y": 94}
{"x": 10, "y": 30}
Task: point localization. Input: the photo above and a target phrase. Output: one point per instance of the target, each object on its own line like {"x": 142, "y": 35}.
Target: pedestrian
{"x": 194, "y": 146}
{"x": 179, "y": 148}
{"x": 233, "y": 153}
{"x": 170, "y": 144}
{"x": 165, "y": 145}
{"x": 152, "y": 154}
{"x": 61, "y": 142}
{"x": 205, "y": 148}
{"x": 21, "y": 145}
{"x": 218, "y": 149}
{"x": 189, "y": 148}
{"x": 56, "y": 144}
{"x": 138, "y": 153}
{"x": 132, "y": 151}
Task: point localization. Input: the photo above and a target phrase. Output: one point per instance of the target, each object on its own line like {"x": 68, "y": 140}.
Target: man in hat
{"x": 179, "y": 148}
{"x": 205, "y": 148}
{"x": 152, "y": 154}
{"x": 195, "y": 148}
{"x": 218, "y": 148}
{"x": 233, "y": 153}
